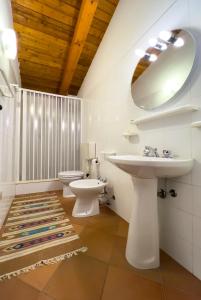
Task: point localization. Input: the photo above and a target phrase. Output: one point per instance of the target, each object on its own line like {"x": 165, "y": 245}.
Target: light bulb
{"x": 9, "y": 43}
{"x": 179, "y": 42}
{"x": 165, "y": 35}
{"x": 153, "y": 57}
{"x": 140, "y": 53}
{"x": 158, "y": 45}
{"x": 163, "y": 46}
{"x": 153, "y": 42}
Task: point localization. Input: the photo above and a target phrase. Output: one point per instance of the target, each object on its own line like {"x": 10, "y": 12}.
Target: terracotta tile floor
{"x": 102, "y": 273}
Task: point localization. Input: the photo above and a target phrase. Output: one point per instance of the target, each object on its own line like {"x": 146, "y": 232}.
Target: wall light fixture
{"x": 8, "y": 42}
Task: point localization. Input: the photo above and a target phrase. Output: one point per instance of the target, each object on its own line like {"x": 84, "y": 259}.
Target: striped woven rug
{"x": 37, "y": 232}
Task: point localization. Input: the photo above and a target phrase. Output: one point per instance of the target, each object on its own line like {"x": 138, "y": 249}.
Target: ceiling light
{"x": 165, "y": 35}
{"x": 179, "y": 42}
{"x": 9, "y": 43}
{"x": 163, "y": 46}
{"x": 140, "y": 53}
{"x": 158, "y": 45}
{"x": 153, "y": 42}
{"x": 153, "y": 57}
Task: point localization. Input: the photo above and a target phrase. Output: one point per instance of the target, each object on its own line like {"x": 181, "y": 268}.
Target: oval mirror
{"x": 163, "y": 68}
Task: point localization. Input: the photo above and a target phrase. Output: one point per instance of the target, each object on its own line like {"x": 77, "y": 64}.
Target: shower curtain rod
{"x": 49, "y": 94}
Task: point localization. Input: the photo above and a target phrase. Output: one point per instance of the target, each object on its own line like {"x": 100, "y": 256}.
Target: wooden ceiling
{"x": 57, "y": 40}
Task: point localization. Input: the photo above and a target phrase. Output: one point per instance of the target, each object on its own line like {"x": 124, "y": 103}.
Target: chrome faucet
{"x": 103, "y": 179}
{"x": 167, "y": 154}
{"x": 150, "y": 152}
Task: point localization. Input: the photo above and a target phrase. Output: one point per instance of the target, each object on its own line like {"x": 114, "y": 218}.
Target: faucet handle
{"x": 146, "y": 150}
{"x": 167, "y": 154}
{"x": 156, "y": 152}
{"x": 104, "y": 179}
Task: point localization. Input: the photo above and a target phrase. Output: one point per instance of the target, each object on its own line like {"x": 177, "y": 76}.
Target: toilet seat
{"x": 66, "y": 177}
{"x": 87, "y": 184}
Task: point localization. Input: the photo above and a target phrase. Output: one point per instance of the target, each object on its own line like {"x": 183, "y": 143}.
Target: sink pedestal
{"x": 142, "y": 250}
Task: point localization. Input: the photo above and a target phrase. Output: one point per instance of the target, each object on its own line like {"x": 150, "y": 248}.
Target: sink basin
{"x": 142, "y": 250}
{"x": 150, "y": 167}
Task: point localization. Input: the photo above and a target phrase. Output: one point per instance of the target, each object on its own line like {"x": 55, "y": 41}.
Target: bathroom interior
{"x": 100, "y": 169}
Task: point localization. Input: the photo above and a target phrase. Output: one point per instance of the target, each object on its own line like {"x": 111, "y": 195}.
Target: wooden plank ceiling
{"x": 57, "y": 40}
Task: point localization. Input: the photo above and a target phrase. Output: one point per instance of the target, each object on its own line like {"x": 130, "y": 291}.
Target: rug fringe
{"x": 43, "y": 262}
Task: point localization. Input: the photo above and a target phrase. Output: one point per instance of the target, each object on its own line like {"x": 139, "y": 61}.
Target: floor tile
{"x": 123, "y": 284}
{"x": 67, "y": 204}
{"x": 102, "y": 273}
{"x": 43, "y": 296}
{"x": 175, "y": 276}
{"x": 15, "y": 289}
{"x": 80, "y": 278}
{"x": 106, "y": 221}
{"x": 118, "y": 258}
{"x": 173, "y": 294}
{"x": 122, "y": 229}
{"x": 39, "y": 277}
{"x": 164, "y": 257}
{"x": 78, "y": 228}
{"x": 99, "y": 243}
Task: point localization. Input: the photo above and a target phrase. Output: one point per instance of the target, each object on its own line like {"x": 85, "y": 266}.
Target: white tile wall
{"x": 7, "y": 122}
{"x": 197, "y": 261}
{"x": 36, "y": 187}
{"x": 106, "y": 90}
{"x": 196, "y": 208}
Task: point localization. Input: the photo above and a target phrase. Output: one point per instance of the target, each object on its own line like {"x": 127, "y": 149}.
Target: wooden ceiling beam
{"x": 86, "y": 15}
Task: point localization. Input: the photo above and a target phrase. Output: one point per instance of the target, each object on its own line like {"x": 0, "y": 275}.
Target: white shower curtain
{"x": 50, "y": 135}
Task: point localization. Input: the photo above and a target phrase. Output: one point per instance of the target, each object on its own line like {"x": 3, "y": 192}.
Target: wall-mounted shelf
{"x": 105, "y": 154}
{"x": 168, "y": 113}
{"x": 196, "y": 124}
{"x": 130, "y": 134}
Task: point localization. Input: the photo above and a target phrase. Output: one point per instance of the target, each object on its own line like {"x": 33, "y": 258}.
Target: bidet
{"x": 87, "y": 192}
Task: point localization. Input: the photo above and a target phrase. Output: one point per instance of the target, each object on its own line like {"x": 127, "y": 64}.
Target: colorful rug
{"x": 36, "y": 232}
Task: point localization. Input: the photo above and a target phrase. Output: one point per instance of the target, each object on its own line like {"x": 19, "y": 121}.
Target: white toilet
{"x": 66, "y": 177}
{"x": 87, "y": 192}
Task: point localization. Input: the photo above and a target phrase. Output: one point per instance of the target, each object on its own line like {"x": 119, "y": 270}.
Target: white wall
{"x": 7, "y": 122}
{"x": 109, "y": 106}
{"x": 27, "y": 187}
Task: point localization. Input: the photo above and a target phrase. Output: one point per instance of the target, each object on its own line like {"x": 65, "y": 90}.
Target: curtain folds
{"x": 50, "y": 135}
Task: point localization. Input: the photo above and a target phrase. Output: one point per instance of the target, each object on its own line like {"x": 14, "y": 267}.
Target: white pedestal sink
{"x": 142, "y": 250}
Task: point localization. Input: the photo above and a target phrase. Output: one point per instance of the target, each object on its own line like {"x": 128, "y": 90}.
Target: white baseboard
{"x": 26, "y": 187}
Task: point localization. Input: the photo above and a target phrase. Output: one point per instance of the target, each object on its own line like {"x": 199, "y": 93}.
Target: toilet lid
{"x": 71, "y": 173}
